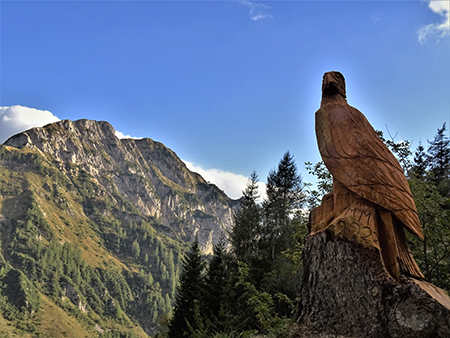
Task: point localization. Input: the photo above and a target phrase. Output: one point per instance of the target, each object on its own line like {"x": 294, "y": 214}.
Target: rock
{"x": 347, "y": 292}
{"x": 143, "y": 172}
{"x": 99, "y": 329}
{"x": 70, "y": 292}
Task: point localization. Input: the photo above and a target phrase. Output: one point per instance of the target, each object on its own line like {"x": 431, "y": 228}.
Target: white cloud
{"x": 258, "y": 11}
{"x": 16, "y": 119}
{"x": 121, "y": 135}
{"x": 436, "y": 29}
{"x": 232, "y": 184}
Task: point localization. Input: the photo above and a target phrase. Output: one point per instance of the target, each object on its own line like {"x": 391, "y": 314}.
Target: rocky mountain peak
{"x": 142, "y": 172}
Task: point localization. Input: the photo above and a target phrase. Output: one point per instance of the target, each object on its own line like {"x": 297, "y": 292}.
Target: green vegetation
{"x": 429, "y": 178}
{"x": 65, "y": 239}
{"x": 253, "y": 288}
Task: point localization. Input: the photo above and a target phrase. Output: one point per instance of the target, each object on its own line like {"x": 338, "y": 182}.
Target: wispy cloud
{"x": 440, "y": 30}
{"x": 374, "y": 17}
{"x": 16, "y": 119}
{"x": 258, "y": 11}
{"x": 232, "y": 184}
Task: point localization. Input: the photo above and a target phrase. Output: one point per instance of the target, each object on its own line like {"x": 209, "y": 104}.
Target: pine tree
{"x": 420, "y": 162}
{"x": 284, "y": 200}
{"x": 246, "y": 229}
{"x": 439, "y": 155}
{"x": 215, "y": 294}
{"x": 283, "y": 227}
{"x": 135, "y": 249}
{"x": 191, "y": 286}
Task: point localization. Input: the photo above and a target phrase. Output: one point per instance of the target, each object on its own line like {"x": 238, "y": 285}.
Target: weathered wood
{"x": 346, "y": 292}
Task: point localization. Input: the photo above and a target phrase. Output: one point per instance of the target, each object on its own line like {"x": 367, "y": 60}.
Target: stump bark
{"x": 347, "y": 292}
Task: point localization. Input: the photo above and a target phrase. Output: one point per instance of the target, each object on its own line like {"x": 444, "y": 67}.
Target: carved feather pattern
{"x": 356, "y": 157}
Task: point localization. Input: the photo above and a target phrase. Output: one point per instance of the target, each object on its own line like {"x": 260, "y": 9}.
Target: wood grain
{"x": 367, "y": 178}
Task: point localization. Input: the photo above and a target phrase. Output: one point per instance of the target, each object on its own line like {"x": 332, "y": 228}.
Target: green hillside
{"x": 106, "y": 272}
{"x": 80, "y": 256}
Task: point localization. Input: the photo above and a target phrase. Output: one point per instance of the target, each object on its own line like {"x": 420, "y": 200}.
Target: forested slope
{"x": 94, "y": 228}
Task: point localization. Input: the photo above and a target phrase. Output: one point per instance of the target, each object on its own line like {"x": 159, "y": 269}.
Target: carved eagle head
{"x": 333, "y": 83}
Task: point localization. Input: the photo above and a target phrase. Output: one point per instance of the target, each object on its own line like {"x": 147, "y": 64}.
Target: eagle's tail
{"x": 407, "y": 263}
{"x": 394, "y": 249}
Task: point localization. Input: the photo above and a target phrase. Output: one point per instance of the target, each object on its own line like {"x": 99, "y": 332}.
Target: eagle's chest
{"x": 335, "y": 128}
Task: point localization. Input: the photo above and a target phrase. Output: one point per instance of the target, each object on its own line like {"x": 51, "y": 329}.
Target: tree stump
{"x": 347, "y": 292}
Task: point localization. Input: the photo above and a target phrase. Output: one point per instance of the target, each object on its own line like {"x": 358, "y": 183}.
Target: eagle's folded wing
{"x": 356, "y": 157}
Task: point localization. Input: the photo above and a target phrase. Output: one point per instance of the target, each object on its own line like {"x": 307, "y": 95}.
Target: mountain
{"x": 93, "y": 229}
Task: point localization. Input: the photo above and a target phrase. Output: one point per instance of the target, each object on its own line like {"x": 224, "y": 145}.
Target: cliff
{"x": 142, "y": 172}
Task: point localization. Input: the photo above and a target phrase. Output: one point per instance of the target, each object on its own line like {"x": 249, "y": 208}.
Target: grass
{"x": 8, "y": 330}
{"x": 55, "y": 322}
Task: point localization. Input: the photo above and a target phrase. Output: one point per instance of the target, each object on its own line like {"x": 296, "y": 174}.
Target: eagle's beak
{"x": 332, "y": 85}
{"x": 329, "y": 85}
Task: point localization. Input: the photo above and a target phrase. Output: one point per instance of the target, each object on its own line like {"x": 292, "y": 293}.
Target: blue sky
{"x": 228, "y": 85}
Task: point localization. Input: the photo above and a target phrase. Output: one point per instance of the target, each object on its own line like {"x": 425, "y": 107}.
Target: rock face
{"x": 141, "y": 172}
{"x": 347, "y": 292}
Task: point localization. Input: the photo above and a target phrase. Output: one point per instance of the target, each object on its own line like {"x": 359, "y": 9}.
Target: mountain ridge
{"x": 95, "y": 227}
{"x": 94, "y": 146}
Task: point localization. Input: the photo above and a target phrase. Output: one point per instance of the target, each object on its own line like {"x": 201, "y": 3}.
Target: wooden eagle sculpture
{"x": 371, "y": 202}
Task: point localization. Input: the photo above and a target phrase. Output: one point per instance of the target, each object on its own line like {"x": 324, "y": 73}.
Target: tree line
{"x": 251, "y": 284}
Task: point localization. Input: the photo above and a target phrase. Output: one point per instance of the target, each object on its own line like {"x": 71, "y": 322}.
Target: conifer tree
{"x": 284, "y": 199}
{"x": 135, "y": 249}
{"x": 433, "y": 253}
{"x": 420, "y": 162}
{"x": 189, "y": 291}
{"x": 215, "y": 294}
{"x": 430, "y": 186}
{"x": 246, "y": 229}
{"x": 439, "y": 159}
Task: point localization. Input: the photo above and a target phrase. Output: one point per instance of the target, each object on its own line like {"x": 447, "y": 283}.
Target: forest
{"x": 250, "y": 285}
{"x": 52, "y": 254}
